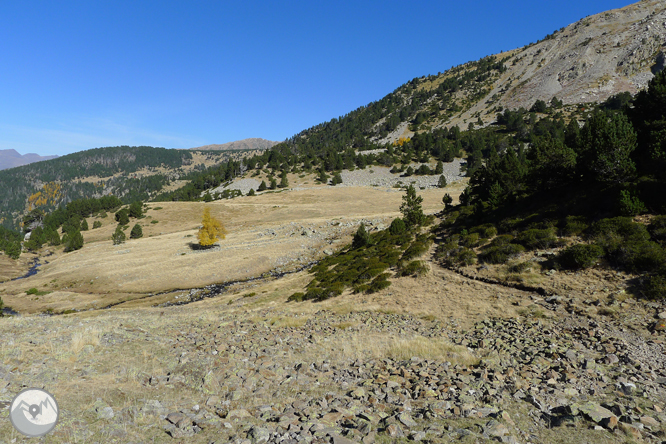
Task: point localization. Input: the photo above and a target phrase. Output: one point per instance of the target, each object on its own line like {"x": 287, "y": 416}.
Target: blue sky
{"x": 81, "y": 75}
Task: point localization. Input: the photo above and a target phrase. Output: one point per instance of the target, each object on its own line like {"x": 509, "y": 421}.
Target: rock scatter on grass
{"x": 280, "y": 378}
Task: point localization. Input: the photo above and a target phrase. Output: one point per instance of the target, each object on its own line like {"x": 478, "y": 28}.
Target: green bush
{"x": 580, "y": 256}
{"x": 417, "y": 248}
{"x": 397, "y": 226}
{"x": 97, "y": 224}
{"x": 378, "y": 283}
{"x": 627, "y": 244}
{"x": 574, "y": 226}
{"x": 606, "y": 230}
{"x": 296, "y": 297}
{"x": 464, "y": 257}
{"x": 630, "y": 205}
{"x": 414, "y": 268}
{"x": 154, "y": 221}
{"x": 654, "y": 287}
{"x": 657, "y": 229}
{"x": 519, "y": 267}
{"x": 486, "y": 231}
{"x": 500, "y": 254}
{"x": 534, "y": 238}
{"x": 122, "y": 216}
{"x": 470, "y": 240}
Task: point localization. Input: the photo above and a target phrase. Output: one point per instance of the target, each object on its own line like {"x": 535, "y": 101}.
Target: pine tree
{"x": 284, "y": 182}
{"x": 447, "y": 200}
{"x": 337, "y": 178}
{"x": 136, "y": 232}
{"x": 251, "y": 192}
{"x": 211, "y": 230}
{"x": 441, "y": 183}
{"x": 74, "y": 241}
{"x": 361, "y": 238}
{"x": 118, "y": 236}
{"x": 273, "y": 183}
{"x": 84, "y": 225}
{"x": 411, "y": 208}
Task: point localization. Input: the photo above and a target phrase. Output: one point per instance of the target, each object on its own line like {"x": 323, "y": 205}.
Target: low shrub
{"x": 657, "y": 229}
{"x": 580, "y": 256}
{"x": 574, "y": 226}
{"x": 630, "y": 205}
{"x": 654, "y": 287}
{"x": 397, "y": 226}
{"x": 485, "y": 231}
{"x": 296, "y": 297}
{"x": 97, "y": 224}
{"x": 470, "y": 240}
{"x": 519, "y": 267}
{"x": 414, "y": 268}
{"x": 500, "y": 254}
{"x": 535, "y": 238}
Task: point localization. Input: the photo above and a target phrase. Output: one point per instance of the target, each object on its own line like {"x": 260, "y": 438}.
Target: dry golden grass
{"x": 361, "y": 345}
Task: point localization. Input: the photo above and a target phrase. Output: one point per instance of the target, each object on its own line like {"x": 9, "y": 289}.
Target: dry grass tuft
{"x": 281, "y": 322}
{"x": 364, "y": 346}
{"x": 431, "y": 348}
{"x": 80, "y": 339}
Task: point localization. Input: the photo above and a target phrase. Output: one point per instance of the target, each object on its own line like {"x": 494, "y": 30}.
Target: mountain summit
{"x": 12, "y": 158}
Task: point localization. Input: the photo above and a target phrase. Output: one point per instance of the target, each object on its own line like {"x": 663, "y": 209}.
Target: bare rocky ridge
{"x": 585, "y": 62}
{"x": 253, "y": 143}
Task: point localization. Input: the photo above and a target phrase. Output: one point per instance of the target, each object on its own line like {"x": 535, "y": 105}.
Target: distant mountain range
{"x": 12, "y": 158}
{"x": 253, "y": 143}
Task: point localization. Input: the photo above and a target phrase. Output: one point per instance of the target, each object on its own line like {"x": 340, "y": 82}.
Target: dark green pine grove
{"x": 571, "y": 181}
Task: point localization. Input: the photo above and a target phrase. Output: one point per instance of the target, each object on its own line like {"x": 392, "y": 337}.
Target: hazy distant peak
{"x": 12, "y": 158}
{"x": 253, "y": 143}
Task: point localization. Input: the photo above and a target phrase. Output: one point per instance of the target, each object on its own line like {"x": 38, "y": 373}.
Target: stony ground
{"x": 207, "y": 373}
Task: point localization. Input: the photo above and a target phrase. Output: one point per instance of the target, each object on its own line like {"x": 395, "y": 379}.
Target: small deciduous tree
{"x": 211, "y": 230}
{"x": 411, "y": 208}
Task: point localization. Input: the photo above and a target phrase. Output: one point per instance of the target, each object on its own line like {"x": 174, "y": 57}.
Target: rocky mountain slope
{"x": 253, "y": 143}
{"x": 12, "y": 158}
{"x": 585, "y": 62}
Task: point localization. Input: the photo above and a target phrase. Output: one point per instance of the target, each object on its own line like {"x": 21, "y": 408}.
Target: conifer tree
{"x": 136, "y": 232}
{"x": 118, "y": 236}
{"x": 361, "y": 238}
{"x": 262, "y": 186}
{"x": 211, "y": 230}
{"x": 411, "y": 208}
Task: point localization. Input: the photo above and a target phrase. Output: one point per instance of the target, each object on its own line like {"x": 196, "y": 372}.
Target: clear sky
{"x": 180, "y": 74}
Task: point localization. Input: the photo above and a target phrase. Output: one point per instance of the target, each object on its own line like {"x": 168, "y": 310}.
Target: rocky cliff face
{"x": 590, "y": 60}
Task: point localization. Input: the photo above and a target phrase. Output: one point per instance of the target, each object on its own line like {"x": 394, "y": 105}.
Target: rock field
{"x": 278, "y": 377}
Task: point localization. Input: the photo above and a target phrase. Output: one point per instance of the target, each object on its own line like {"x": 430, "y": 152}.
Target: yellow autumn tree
{"x": 211, "y": 230}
